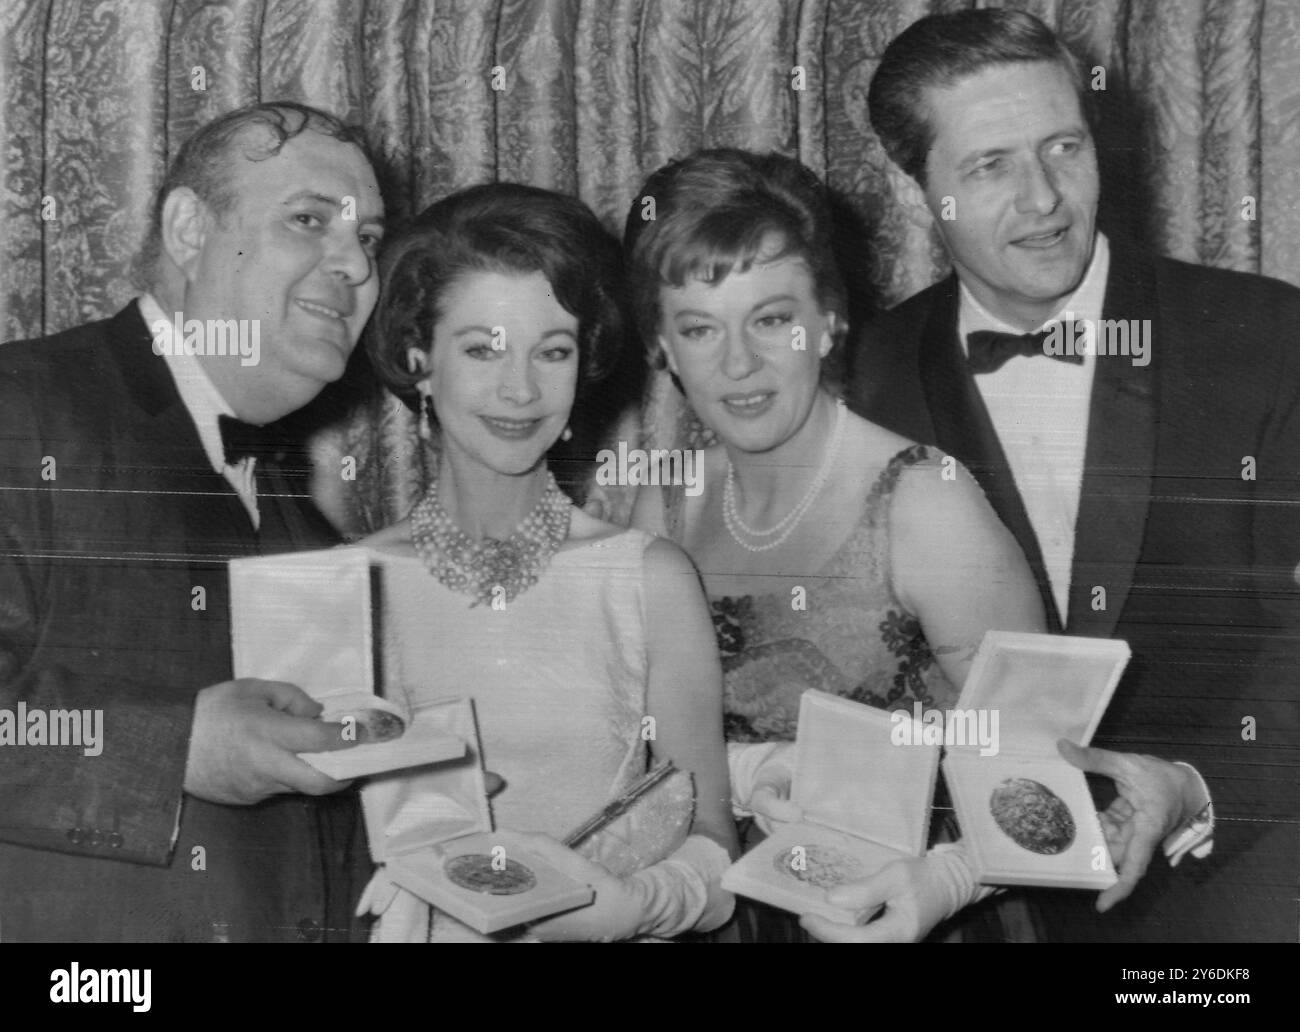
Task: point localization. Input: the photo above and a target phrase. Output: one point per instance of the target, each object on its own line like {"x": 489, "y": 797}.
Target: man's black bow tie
{"x": 244, "y": 440}
{"x": 989, "y": 350}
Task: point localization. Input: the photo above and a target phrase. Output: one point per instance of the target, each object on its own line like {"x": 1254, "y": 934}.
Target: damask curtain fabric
{"x": 1201, "y": 125}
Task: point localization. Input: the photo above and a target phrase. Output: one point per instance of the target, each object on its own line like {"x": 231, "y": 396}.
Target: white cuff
{"x": 1196, "y": 834}
{"x": 952, "y": 867}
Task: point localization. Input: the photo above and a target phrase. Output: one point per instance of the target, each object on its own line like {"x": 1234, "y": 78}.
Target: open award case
{"x": 1026, "y": 815}
{"x": 866, "y": 801}
{"x": 348, "y": 626}
{"x": 433, "y": 829}
{"x": 316, "y": 619}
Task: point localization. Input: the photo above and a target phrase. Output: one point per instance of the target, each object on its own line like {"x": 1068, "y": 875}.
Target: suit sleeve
{"x": 1276, "y": 547}
{"x": 116, "y": 790}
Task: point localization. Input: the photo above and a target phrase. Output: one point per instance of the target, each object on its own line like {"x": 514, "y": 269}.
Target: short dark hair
{"x": 504, "y": 228}
{"x": 205, "y": 160}
{"x": 936, "y": 51}
{"x": 707, "y": 214}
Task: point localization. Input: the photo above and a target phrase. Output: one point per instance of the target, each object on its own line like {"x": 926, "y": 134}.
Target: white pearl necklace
{"x": 735, "y": 525}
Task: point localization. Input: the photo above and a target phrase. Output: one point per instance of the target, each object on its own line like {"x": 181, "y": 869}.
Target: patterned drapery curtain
{"x": 1201, "y": 118}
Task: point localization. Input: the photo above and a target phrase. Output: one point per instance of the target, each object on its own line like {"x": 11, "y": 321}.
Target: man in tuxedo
{"x": 180, "y": 810}
{"x": 1145, "y": 452}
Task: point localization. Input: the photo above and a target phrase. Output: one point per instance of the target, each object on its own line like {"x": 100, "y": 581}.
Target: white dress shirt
{"x": 203, "y": 402}
{"x": 1039, "y": 408}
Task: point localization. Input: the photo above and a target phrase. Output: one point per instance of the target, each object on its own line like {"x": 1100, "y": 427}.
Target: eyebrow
{"x": 997, "y": 152}
{"x": 978, "y": 156}
{"x": 465, "y": 331}
{"x": 330, "y": 202}
{"x": 773, "y": 299}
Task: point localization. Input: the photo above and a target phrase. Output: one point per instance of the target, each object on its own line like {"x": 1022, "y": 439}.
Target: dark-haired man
{"x": 189, "y": 817}
{"x": 1145, "y": 452}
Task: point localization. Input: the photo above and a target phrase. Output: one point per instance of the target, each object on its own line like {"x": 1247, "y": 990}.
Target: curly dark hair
{"x": 504, "y": 228}
{"x": 205, "y": 161}
{"x": 709, "y": 213}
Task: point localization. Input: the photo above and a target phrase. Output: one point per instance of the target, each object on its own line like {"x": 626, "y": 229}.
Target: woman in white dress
{"x": 587, "y": 648}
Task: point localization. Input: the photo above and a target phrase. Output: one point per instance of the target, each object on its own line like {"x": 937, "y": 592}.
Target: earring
{"x": 827, "y": 344}
{"x": 566, "y": 434}
{"x": 425, "y": 418}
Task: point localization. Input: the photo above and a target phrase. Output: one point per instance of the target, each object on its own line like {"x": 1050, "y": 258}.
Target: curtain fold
{"x": 1200, "y": 125}
{"x": 103, "y": 138}
{"x": 1278, "y": 169}
{"x": 22, "y": 168}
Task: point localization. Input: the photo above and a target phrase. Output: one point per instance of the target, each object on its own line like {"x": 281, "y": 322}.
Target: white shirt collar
{"x": 1085, "y": 303}
{"x": 198, "y": 393}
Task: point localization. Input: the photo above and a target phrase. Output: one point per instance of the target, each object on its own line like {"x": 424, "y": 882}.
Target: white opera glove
{"x": 681, "y": 893}
{"x": 761, "y": 776}
{"x": 399, "y": 915}
{"x": 916, "y": 893}
{"x": 684, "y": 893}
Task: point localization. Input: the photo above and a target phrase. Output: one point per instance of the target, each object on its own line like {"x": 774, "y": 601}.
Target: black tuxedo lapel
{"x": 962, "y": 428}
{"x": 289, "y": 520}
{"x": 1120, "y": 455}
{"x": 216, "y": 522}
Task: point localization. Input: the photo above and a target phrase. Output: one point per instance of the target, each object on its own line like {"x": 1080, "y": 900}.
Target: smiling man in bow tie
{"x": 1151, "y": 471}
{"x": 125, "y": 493}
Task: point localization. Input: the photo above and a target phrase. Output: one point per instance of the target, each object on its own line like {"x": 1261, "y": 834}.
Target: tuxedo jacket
{"x": 1186, "y": 545}
{"x": 114, "y": 538}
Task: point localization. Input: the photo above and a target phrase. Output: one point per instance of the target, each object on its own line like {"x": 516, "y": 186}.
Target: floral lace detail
{"x": 730, "y": 613}
{"x": 772, "y": 654}
{"x": 888, "y": 479}
{"x": 902, "y": 635}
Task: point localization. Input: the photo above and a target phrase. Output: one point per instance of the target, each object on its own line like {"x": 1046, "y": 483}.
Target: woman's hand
{"x": 378, "y": 895}
{"x": 760, "y": 782}
{"x": 399, "y": 915}
{"x": 772, "y": 804}
{"x": 616, "y": 913}
{"x": 770, "y": 801}
{"x": 915, "y": 894}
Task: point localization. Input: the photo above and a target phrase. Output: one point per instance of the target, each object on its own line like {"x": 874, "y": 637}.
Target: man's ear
{"x": 185, "y": 221}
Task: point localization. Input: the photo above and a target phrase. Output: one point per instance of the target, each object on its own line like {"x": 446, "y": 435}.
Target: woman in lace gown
{"x": 836, "y": 555}
{"x": 586, "y": 647}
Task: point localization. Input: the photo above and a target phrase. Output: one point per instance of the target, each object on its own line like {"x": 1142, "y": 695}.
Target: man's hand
{"x": 245, "y": 741}
{"x": 1155, "y": 797}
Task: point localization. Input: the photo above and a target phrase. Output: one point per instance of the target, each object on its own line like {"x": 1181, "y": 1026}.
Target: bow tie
{"x": 989, "y": 350}
{"x": 244, "y": 440}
